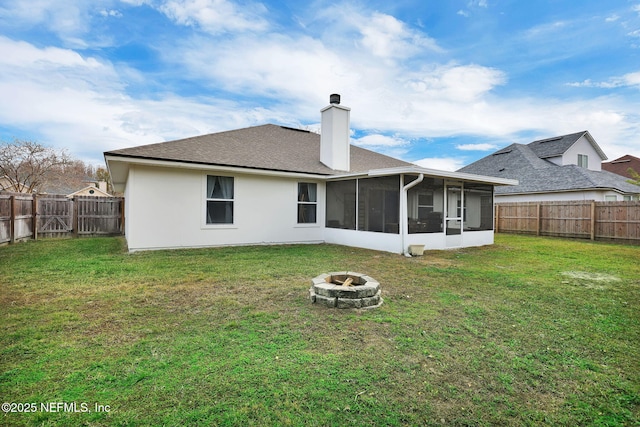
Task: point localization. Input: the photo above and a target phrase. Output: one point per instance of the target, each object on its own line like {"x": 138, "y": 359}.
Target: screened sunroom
{"x": 391, "y": 209}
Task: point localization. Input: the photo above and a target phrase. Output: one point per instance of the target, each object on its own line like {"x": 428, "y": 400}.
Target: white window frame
{"x": 430, "y": 206}
{"x": 309, "y": 203}
{"x": 583, "y": 161}
{"x": 208, "y": 199}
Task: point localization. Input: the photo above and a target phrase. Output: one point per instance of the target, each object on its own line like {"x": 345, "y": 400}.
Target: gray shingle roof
{"x": 268, "y": 147}
{"x": 556, "y": 146}
{"x": 537, "y": 175}
{"x": 551, "y": 147}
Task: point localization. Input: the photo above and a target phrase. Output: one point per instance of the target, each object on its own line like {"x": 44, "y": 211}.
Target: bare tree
{"x": 26, "y": 164}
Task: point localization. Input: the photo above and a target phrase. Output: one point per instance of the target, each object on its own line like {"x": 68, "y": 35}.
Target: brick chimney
{"x": 334, "y": 135}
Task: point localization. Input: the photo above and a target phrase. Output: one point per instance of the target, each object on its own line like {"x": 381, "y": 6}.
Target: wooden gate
{"x": 55, "y": 216}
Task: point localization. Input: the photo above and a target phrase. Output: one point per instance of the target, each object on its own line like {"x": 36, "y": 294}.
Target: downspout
{"x": 403, "y": 210}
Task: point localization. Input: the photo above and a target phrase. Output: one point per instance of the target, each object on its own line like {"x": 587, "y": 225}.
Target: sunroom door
{"x": 454, "y": 214}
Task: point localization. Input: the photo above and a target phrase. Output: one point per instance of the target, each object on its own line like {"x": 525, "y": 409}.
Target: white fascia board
{"x": 443, "y": 174}
{"x": 595, "y": 145}
{"x": 208, "y": 167}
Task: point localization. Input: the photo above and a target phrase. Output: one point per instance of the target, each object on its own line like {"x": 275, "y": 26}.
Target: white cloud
{"x": 80, "y": 103}
{"x": 387, "y": 37}
{"x": 457, "y": 82}
{"x": 546, "y": 30}
{"x": 626, "y": 80}
{"x": 377, "y": 140}
{"x": 441, "y": 163}
{"x": 111, "y": 12}
{"x": 67, "y": 18}
{"x": 216, "y": 16}
{"x": 476, "y": 147}
{"x": 389, "y": 145}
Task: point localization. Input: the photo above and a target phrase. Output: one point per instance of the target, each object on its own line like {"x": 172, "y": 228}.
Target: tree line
{"x": 31, "y": 167}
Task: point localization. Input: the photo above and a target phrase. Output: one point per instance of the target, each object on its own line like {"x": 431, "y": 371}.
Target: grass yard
{"x": 529, "y": 331}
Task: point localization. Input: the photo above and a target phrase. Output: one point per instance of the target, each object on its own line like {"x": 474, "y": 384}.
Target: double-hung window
{"x": 307, "y": 202}
{"x": 583, "y": 161}
{"x": 219, "y": 199}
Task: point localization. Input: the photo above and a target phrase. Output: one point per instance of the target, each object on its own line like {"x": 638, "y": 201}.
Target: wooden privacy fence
{"x": 618, "y": 221}
{"x": 25, "y": 216}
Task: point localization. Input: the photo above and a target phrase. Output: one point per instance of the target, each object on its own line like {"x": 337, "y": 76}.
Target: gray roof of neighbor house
{"x": 266, "y": 147}
{"x": 536, "y": 175}
{"x": 556, "y": 146}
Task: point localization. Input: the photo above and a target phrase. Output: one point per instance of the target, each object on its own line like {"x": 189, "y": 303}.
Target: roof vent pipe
{"x": 334, "y": 98}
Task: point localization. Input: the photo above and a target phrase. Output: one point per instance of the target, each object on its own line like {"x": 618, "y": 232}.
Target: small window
{"x": 219, "y": 200}
{"x": 307, "y": 202}
{"x": 583, "y": 161}
{"x": 425, "y": 205}
{"x": 610, "y": 198}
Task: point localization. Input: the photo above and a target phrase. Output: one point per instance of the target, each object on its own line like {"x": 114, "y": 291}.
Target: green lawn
{"x": 529, "y": 331}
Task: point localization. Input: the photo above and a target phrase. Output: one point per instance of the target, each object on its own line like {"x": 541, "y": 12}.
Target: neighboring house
{"x": 272, "y": 184}
{"x": 561, "y": 168}
{"x": 95, "y": 189}
{"x": 88, "y": 187}
{"x": 621, "y": 165}
{"x": 6, "y": 184}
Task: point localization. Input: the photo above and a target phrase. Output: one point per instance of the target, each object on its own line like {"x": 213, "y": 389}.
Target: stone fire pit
{"x": 345, "y": 289}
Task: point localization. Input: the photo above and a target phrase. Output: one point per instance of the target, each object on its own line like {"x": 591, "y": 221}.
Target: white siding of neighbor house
{"x": 167, "y": 210}
{"x": 582, "y": 146}
{"x": 598, "y": 196}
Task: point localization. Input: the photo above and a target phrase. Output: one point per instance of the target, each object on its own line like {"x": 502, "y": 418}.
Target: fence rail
{"x": 614, "y": 221}
{"x": 25, "y": 216}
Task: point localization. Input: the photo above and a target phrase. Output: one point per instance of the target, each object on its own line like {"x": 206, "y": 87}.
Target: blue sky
{"x": 439, "y": 83}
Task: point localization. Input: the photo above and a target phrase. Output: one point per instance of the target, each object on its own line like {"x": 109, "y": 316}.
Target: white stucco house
{"x": 567, "y": 167}
{"x": 271, "y": 184}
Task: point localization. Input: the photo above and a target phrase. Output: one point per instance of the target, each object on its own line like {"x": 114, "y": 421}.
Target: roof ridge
{"x": 587, "y": 173}
{"x": 531, "y": 157}
{"x": 557, "y": 138}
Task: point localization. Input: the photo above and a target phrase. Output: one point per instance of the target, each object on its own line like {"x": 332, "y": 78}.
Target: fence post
{"x": 538, "y": 218}
{"x": 122, "y": 215}
{"x": 74, "y": 217}
{"x": 12, "y": 219}
{"x": 34, "y": 215}
{"x": 593, "y": 220}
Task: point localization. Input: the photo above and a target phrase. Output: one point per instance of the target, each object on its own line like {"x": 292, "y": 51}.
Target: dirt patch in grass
{"x": 599, "y": 281}
{"x": 595, "y": 277}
